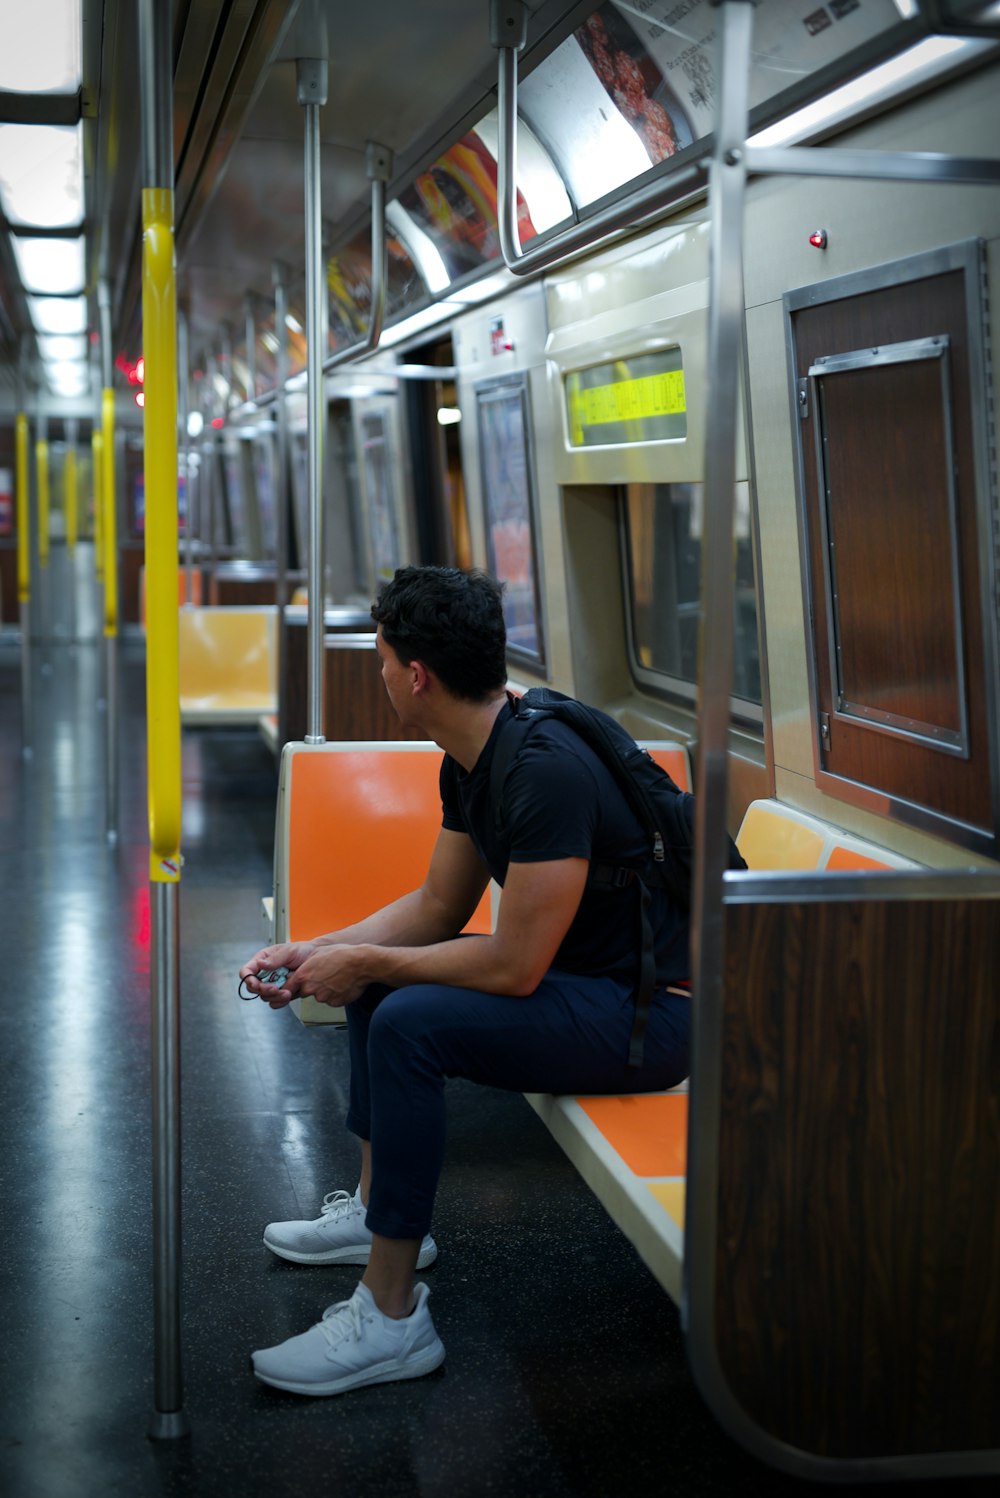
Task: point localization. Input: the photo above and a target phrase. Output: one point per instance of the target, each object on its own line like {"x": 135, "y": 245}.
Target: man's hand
{"x": 331, "y": 974}
{"x": 285, "y": 954}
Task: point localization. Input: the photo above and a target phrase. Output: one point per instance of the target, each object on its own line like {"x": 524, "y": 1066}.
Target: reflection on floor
{"x": 566, "y": 1372}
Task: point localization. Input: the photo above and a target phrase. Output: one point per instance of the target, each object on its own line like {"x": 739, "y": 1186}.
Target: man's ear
{"x": 419, "y": 677}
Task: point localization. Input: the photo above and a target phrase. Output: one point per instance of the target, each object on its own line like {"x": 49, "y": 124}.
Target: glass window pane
{"x": 662, "y": 537}
{"x": 505, "y": 460}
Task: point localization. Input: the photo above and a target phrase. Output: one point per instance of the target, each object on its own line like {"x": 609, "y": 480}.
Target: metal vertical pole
{"x": 71, "y": 506}
{"x": 726, "y": 303}
{"x": 281, "y": 492}
{"x": 311, "y": 77}
{"x": 24, "y": 576}
{"x": 109, "y": 545}
{"x": 250, "y": 339}
{"x": 159, "y": 316}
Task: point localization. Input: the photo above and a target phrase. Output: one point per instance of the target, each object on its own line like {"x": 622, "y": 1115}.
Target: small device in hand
{"x": 273, "y": 975}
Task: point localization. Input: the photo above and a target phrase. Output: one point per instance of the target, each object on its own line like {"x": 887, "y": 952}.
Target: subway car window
{"x": 506, "y": 461}
{"x": 661, "y": 527}
{"x": 439, "y": 490}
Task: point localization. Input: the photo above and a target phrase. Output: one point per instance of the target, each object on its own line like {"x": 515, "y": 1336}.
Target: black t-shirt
{"x": 560, "y": 801}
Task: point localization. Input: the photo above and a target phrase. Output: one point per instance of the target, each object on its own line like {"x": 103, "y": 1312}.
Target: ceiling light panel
{"x": 41, "y": 47}
{"x": 58, "y": 349}
{"x": 58, "y": 314}
{"x": 41, "y": 175}
{"x": 52, "y": 267}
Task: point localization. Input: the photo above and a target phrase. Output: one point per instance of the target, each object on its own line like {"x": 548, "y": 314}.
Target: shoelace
{"x": 342, "y": 1322}
{"x": 337, "y": 1204}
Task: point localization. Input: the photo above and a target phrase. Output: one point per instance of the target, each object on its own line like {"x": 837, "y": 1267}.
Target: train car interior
{"x": 678, "y": 318}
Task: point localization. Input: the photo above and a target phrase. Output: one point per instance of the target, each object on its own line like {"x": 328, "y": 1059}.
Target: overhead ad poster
{"x": 657, "y": 58}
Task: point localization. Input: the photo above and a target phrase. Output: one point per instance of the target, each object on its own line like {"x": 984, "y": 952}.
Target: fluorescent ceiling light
{"x": 41, "y": 47}
{"x": 55, "y": 350}
{"x": 423, "y": 251}
{"x": 917, "y": 64}
{"x": 58, "y": 314}
{"x": 68, "y": 379}
{"x": 53, "y": 267}
{"x": 540, "y": 184}
{"x": 41, "y": 175}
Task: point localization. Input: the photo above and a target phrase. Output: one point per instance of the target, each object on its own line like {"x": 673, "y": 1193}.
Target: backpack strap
{"x": 601, "y": 875}
{"x": 509, "y": 741}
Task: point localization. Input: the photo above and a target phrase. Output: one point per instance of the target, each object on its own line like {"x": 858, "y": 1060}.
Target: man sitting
{"x": 544, "y": 1004}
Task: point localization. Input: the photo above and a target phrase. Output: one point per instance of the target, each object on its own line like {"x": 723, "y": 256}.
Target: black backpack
{"x": 663, "y": 809}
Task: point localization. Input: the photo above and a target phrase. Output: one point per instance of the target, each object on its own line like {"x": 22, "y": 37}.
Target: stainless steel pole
{"x": 726, "y": 303}
{"x": 311, "y": 75}
{"x": 23, "y": 483}
{"x": 168, "y": 1419}
{"x": 281, "y": 491}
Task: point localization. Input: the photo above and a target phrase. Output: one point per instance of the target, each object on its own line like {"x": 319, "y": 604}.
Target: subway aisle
{"x": 566, "y": 1375}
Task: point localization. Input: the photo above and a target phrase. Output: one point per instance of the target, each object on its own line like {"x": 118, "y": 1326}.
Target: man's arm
{"x": 438, "y": 910}
{"x": 538, "y": 904}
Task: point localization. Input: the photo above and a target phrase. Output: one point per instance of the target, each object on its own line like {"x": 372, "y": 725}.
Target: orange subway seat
{"x": 647, "y": 1130}
{"x": 362, "y": 827}
{"x": 850, "y": 858}
{"x": 674, "y": 759}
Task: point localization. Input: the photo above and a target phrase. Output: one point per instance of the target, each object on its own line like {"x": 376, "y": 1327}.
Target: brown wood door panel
{"x": 890, "y": 493}
{"x": 857, "y": 1252}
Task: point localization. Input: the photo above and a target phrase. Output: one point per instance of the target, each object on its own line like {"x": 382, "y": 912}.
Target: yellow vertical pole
{"x": 159, "y": 321}
{"x": 70, "y": 498}
{"x": 109, "y": 542}
{"x": 23, "y": 519}
{"x": 97, "y": 448}
{"x": 42, "y": 465}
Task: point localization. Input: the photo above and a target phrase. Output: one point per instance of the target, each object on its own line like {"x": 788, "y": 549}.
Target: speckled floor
{"x": 566, "y": 1374}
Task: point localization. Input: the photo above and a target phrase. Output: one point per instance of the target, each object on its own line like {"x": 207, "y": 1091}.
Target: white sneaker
{"x": 338, "y": 1235}
{"x": 353, "y": 1345}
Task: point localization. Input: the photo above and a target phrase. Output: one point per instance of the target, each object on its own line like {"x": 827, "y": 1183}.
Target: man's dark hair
{"x": 452, "y": 621}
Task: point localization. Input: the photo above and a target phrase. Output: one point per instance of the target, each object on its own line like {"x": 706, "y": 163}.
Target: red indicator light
{"x": 140, "y": 369}
{"x": 218, "y": 421}
{"x": 818, "y": 239}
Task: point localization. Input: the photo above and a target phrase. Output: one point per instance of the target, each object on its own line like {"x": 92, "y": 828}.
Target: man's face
{"x": 395, "y": 675}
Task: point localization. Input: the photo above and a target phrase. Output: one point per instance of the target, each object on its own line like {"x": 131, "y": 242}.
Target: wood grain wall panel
{"x": 858, "y": 1243}
{"x": 357, "y": 705}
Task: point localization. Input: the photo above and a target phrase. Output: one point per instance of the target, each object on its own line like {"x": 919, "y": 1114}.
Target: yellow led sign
{"x": 621, "y": 403}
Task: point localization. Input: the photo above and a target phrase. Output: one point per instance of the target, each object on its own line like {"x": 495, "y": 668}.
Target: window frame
{"x": 968, "y": 258}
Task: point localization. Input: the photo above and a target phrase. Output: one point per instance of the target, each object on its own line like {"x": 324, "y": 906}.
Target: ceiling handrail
{"x": 508, "y": 31}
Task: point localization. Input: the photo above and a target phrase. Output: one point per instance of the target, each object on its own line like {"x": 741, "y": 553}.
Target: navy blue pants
{"x": 570, "y": 1036}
